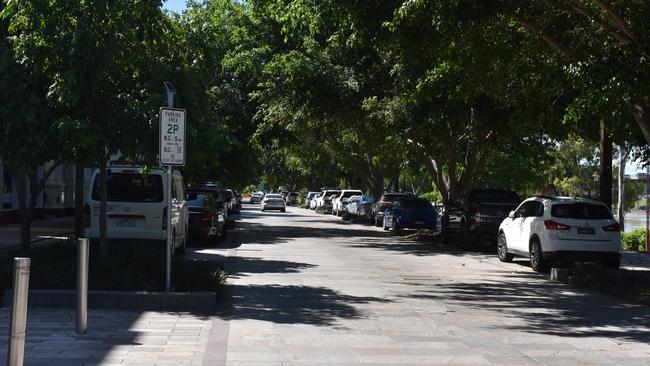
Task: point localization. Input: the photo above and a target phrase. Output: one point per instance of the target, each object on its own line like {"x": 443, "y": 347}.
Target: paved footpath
{"x": 308, "y": 289}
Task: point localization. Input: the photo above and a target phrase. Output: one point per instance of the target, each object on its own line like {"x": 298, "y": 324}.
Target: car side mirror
{"x": 511, "y": 215}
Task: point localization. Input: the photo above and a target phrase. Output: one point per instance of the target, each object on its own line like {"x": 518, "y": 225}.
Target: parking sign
{"x": 172, "y": 136}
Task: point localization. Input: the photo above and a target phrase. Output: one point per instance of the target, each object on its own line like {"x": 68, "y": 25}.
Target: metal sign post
{"x": 171, "y": 153}
{"x": 81, "y": 326}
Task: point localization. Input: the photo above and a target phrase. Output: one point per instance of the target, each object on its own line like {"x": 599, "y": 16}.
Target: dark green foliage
{"x": 130, "y": 266}
{"x": 633, "y": 240}
{"x": 630, "y": 285}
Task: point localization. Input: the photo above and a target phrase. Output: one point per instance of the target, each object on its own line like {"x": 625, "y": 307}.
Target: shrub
{"x": 633, "y": 240}
{"x": 129, "y": 266}
{"x": 432, "y": 196}
{"x": 634, "y": 286}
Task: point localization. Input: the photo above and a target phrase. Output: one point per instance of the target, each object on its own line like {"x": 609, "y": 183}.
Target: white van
{"x": 137, "y": 205}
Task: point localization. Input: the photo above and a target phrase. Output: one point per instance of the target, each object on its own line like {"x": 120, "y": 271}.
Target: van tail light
{"x": 477, "y": 215}
{"x": 613, "y": 228}
{"x": 164, "y": 218}
{"x": 206, "y": 216}
{"x": 553, "y": 225}
{"x": 87, "y": 216}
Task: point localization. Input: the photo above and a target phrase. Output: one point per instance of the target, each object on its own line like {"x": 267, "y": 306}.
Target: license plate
{"x": 586, "y": 230}
{"x": 419, "y": 223}
{"x": 125, "y": 223}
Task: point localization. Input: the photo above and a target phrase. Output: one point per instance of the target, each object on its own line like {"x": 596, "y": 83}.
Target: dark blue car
{"x": 410, "y": 213}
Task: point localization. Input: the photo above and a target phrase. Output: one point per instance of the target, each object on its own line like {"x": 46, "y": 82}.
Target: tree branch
{"x": 615, "y": 18}
{"x": 549, "y": 39}
{"x": 621, "y": 37}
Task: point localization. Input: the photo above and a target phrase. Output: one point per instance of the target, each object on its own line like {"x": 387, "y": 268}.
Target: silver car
{"x": 273, "y": 202}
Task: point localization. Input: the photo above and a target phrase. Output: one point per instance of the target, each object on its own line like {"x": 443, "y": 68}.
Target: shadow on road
{"x": 294, "y": 304}
{"x": 548, "y": 307}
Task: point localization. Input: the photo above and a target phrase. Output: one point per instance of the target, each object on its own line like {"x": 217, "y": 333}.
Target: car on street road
{"x": 325, "y": 199}
{"x": 560, "y": 229}
{"x": 273, "y": 202}
{"x": 257, "y": 197}
{"x": 476, "y": 216}
{"x": 137, "y": 206}
{"x": 410, "y": 212}
{"x": 360, "y": 206}
{"x": 384, "y": 202}
{"x": 207, "y": 215}
{"x": 313, "y": 204}
{"x": 341, "y": 201}
{"x": 309, "y": 197}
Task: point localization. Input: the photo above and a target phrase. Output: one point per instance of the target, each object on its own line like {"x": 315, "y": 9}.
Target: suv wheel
{"x": 537, "y": 262}
{"x": 502, "y": 249}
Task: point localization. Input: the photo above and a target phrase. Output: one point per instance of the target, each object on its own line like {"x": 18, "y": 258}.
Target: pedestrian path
{"x": 114, "y": 338}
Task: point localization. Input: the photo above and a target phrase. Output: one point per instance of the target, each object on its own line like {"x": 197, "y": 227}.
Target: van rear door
{"x": 135, "y": 204}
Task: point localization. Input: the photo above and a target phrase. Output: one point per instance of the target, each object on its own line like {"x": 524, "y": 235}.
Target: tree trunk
{"x": 103, "y": 242}
{"x": 642, "y": 119}
{"x": 605, "y": 165}
{"x": 622, "y": 155}
{"x": 78, "y": 201}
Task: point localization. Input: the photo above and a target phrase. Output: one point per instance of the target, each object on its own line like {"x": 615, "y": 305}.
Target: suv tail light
{"x": 477, "y": 215}
{"x": 613, "y": 228}
{"x": 553, "y": 225}
{"x": 206, "y": 216}
{"x": 164, "y": 218}
{"x": 87, "y": 216}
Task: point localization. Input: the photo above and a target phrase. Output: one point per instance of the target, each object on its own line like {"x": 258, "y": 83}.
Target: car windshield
{"x": 367, "y": 199}
{"x": 196, "y": 198}
{"x": 130, "y": 187}
{"x": 580, "y": 210}
{"x": 494, "y": 196}
{"x": 274, "y": 196}
{"x": 412, "y": 202}
{"x": 392, "y": 197}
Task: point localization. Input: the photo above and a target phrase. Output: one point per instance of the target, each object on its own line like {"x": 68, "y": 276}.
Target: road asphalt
{"x": 310, "y": 289}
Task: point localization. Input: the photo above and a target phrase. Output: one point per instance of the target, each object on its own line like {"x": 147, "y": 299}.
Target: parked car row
{"x": 137, "y": 202}
{"x": 547, "y": 230}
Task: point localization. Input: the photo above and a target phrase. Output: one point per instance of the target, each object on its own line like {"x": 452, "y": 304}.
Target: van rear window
{"x": 130, "y": 187}
{"x": 580, "y": 211}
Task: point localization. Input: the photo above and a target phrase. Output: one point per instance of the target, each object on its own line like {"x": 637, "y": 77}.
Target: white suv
{"x": 560, "y": 229}
{"x": 341, "y": 201}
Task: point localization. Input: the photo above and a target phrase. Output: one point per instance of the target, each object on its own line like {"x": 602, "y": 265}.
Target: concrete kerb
{"x": 122, "y": 300}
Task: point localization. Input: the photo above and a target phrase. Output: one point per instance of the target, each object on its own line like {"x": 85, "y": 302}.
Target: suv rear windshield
{"x": 351, "y": 193}
{"x": 494, "y": 196}
{"x": 414, "y": 202}
{"x": 580, "y": 210}
{"x": 392, "y": 197}
{"x": 197, "y": 198}
{"x": 130, "y": 187}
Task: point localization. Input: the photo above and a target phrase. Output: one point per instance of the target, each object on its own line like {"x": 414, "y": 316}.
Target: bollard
{"x": 560, "y": 274}
{"x": 16, "y": 352}
{"x": 82, "y": 286}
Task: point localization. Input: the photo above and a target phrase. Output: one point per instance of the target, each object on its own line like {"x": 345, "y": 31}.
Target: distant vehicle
{"x": 257, "y": 197}
{"x": 385, "y": 201}
{"x": 137, "y": 206}
{"x": 233, "y": 202}
{"x": 477, "y": 216}
{"x": 221, "y": 196}
{"x": 360, "y": 206}
{"x": 291, "y": 198}
{"x": 273, "y": 201}
{"x": 341, "y": 201}
{"x": 325, "y": 199}
{"x": 410, "y": 212}
{"x": 560, "y": 229}
{"x": 313, "y": 204}
{"x": 207, "y": 215}
{"x": 309, "y": 197}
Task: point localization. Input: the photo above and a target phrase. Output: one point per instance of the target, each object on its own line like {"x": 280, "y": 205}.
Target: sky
{"x": 175, "y": 5}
